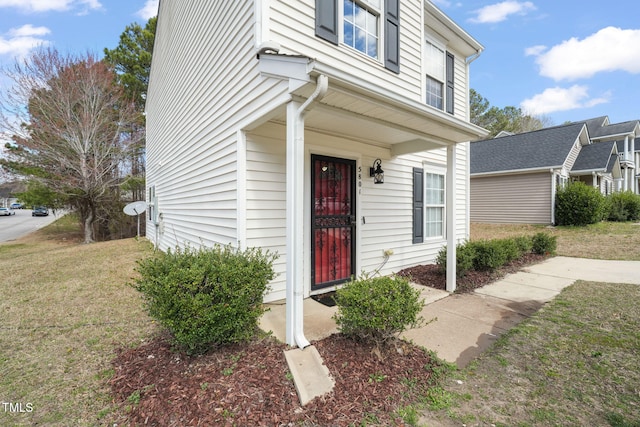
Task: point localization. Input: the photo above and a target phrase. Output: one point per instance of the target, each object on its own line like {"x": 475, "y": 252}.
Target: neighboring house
{"x": 266, "y": 121}
{"x": 514, "y": 178}
{"x": 625, "y": 135}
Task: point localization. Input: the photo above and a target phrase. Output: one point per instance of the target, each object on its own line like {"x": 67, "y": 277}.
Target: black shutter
{"x": 418, "y": 205}
{"x": 392, "y": 35}
{"x": 327, "y": 20}
{"x": 449, "y": 72}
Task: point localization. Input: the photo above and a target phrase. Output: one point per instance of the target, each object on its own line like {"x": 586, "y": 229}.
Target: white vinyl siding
{"x": 204, "y": 86}
{"x": 216, "y": 184}
{"x": 524, "y": 198}
{"x": 293, "y": 23}
{"x": 386, "y": 208}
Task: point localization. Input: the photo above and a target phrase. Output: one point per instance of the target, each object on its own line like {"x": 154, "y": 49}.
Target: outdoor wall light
{"x": 376, "y": 172}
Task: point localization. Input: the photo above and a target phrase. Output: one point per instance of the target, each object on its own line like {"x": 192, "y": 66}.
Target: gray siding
{"x": 524, "y": 198}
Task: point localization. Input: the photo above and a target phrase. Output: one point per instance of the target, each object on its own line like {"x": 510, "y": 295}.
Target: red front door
{"x": 333, "y": 186}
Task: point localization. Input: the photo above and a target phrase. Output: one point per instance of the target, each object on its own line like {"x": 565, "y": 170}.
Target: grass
{"x": 65, "y": 307}
{"x": 605, "y": 240}
{"x": 574, "y": 363}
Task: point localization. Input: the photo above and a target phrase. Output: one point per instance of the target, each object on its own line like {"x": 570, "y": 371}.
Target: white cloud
{"x": 28, "y": 30}
{"x": 149, "y": 10}
{"x": 610, "y": 49}
{"x": 20, "y": 41}
{"x": 561, "y": 99}
{"x": 50, "y": 5}
{"x": 535, "y": 50}
{"x": 500, "y": 11}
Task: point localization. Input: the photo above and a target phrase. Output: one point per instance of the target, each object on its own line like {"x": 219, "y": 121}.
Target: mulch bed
{"x": 249, "y": 385}
{"x": 430, "y": 275}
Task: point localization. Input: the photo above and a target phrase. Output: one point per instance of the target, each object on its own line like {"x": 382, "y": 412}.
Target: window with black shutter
{"x": 418, "y": 205}
{"x": 449, "y": 73}
{"x": 327, "y": 20}
{"x": 361, "y": 27}
{"x": 392, "y": 35}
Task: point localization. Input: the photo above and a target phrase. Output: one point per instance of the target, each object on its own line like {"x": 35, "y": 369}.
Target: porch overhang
{"x": 356, "y": 109}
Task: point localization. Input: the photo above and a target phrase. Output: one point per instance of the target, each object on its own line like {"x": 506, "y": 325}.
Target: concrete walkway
{"x": 467, "y": 324}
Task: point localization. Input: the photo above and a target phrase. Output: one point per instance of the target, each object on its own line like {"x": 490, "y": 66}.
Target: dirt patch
{"x": 251, "y": 384}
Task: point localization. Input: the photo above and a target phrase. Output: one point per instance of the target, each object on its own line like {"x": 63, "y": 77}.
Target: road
{"x": 22, "y": 223}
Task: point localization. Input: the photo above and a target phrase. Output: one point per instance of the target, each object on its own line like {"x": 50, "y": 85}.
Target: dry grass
{"x": 65, "y": 307}
{"x": 605, "y": 240}
{"x": 575, "y": 363}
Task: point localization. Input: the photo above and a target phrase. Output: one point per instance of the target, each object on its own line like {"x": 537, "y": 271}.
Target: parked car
{"x": 16, "y": 206}
{"x": 39, "y": 211}
{"x": 6, "y": 212}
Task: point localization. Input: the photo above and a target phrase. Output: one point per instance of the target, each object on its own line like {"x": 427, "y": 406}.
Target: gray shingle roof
{"x": 543, "y": 148}
{"x": 614, "y": 129}
{"x": 594, "y": 157}
{"x": 594, "y": 124}
{"x": 599, "y": 127}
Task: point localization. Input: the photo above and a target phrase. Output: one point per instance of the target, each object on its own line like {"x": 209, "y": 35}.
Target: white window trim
{"x": 379, "y": 11}
{"x": 429, "y": 39}
{"x": 442, "y": 171}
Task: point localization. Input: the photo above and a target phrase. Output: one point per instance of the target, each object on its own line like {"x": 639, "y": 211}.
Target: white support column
{"x": 295, "y": 221}
{"x": 450, "y": 209}
{"x": 625, "y": 178}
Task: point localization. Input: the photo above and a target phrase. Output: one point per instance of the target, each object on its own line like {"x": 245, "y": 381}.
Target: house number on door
{"x": 359, "y": 179}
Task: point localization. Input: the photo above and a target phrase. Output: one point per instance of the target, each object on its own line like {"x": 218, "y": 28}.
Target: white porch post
{"x": 450, "y": 203}
{"x": 295, "y": 221}
{"x": 625, "y": 182}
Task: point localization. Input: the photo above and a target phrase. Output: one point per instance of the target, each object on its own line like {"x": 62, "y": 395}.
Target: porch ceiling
{"x": 357, "y": 109}
{"x": 402, "y": 129}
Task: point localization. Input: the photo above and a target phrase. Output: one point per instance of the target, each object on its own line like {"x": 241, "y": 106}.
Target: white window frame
{"x": 434, "y": 205}
{"x": 437, "y": 74}
{"x": 375, "y": 7}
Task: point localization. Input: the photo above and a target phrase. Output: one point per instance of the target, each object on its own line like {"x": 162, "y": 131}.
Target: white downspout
{"x": 295, "y": 215}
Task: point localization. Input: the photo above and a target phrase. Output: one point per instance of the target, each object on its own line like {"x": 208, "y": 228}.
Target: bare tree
{"x": 69, "y": 121}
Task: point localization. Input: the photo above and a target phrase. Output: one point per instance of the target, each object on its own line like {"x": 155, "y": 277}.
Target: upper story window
{"x": 369, "y": 26}
{"x": 361, "y": 26}
{"x": 439, "y": 79}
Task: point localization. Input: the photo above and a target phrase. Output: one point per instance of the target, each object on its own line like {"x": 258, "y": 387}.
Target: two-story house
{"x": 514, "y": 178}
{"x": 330, "y": 131}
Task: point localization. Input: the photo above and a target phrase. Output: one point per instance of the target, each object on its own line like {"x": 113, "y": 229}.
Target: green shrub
{"x": 623, "y": 206}
{"x": 206, "y": 297}
{"x": 579, "y": 204}
{"x": 465, "y": 253}
{"x": 511, "y": 249}
{"x": 544, "y": 244}
{"x": 524, "y": 244}
{"x": 489, "y": 254}
{"x": 377, "y": 309}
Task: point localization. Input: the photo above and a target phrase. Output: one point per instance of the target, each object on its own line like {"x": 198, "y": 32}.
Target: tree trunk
{"x": 88, "y": 227}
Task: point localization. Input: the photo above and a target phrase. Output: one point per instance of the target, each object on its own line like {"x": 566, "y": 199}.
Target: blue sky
{"x": 71, "y": 26}
{"x": 567, "y": 60}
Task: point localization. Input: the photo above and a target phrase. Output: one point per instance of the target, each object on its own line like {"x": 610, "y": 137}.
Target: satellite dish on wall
{"x": 135, "y": 209}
